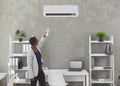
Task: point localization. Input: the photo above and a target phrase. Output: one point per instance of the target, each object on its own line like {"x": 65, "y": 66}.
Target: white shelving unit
{"x": 101, "y": 65}
{"x": 17, "y": 52}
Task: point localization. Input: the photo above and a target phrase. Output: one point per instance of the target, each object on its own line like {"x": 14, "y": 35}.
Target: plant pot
{"x": 20, "y": 39}
{"x": 101, "y": 39}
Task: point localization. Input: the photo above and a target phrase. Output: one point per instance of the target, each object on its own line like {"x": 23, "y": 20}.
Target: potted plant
{"x": 101, "y": 35}
{"x": 20, "y": 34}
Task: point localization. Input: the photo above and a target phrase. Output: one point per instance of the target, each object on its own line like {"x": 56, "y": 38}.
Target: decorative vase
{"x": 101, "y": 39}
{"x": 20, "y": 39}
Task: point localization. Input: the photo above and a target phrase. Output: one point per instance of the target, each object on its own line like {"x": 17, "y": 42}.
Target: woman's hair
{"x": 32, "y": 40}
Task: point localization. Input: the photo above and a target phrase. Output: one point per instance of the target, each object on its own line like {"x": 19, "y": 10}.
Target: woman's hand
{"x": 45, "y": 34}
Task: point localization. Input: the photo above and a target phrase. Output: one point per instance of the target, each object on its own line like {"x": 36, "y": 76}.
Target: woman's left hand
{"x": 45, "y": 34}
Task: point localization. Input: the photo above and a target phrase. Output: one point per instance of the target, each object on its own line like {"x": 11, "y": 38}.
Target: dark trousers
{"x": 40, "y": 77}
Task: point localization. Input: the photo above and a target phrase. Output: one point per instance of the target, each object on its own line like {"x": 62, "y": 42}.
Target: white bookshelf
{"x": 17, "y": 52}
{"x": 21, "y": 81}
{"x": 109, "y": 81}
{"x": 101, "y": 68}
{"x": 18, "y": 55}
{"x": 23, "y": 42}
{"x": 23, "y": 69}
{"x": 101, "y": 42}
{"x": 95, "y": 68}
{"x": 98, "y": 54}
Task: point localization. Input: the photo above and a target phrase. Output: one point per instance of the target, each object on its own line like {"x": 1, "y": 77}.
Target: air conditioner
{"x": 60, "y": 11}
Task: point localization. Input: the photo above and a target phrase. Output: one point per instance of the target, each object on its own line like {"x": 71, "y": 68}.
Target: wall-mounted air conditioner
{"x": 60, "y": 11}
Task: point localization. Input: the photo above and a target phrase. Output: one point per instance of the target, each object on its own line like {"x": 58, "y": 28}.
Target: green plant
{"x": 100, "y": 34}
{"x": 20, "y": 34}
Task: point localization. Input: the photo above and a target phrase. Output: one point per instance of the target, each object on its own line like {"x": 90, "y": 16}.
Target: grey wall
{"x": 68, "y": 37}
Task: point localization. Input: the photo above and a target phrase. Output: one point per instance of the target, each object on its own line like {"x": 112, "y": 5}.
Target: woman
{"x": 34, "y": 61}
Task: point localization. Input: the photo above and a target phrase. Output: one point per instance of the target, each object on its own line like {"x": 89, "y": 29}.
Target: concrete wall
{"x": 68, "y": 37}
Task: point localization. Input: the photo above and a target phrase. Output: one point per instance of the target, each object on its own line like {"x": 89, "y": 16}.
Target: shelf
{"x": 19, "y": 55}
{"x": 99, "y": 54}
{"x": 102, "y": 81}
{"x": 102, "y": 68}
{"x": 23, "y": 69}
{"x": 23, "y": 42}
{"x": 100, "y": 62}
{"x": 21, "y": 81}
{"x": 97, "y": 42}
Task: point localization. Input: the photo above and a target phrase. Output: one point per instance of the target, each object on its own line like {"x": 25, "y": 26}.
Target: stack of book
{"x": 26, "y": 48}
